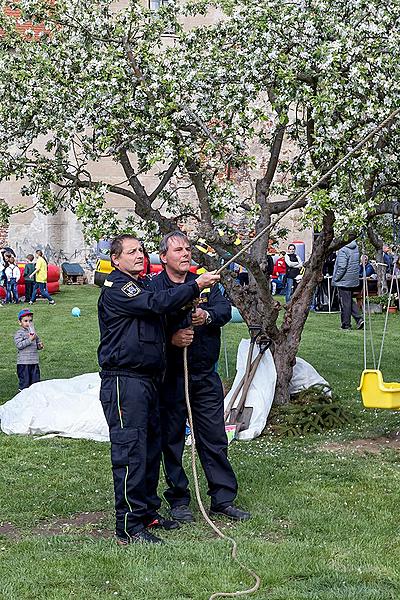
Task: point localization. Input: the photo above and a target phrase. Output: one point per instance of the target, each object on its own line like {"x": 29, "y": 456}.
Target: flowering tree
{"x": 235, "y": 119}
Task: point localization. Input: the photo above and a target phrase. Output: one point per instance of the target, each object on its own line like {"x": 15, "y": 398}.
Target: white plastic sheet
{"x": 71, "y": 407}
{"x": 67, "y": 407}
{"x": 261, "y": 391}
{"x": 305, "y": 376}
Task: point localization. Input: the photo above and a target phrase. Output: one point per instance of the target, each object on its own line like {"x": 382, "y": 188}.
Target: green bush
{"x": 310, "y": 411}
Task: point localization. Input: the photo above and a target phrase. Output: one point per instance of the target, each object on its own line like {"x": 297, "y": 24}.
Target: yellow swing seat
{"x": 376, "y": 393}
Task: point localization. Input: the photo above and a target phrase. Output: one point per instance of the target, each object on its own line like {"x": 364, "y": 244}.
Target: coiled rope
{"x": 201, "y": 505}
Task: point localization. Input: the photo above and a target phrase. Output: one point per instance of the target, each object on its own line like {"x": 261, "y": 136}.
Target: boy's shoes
{"x": 182, "y": 513}
{"x": 141, "y": 537}
{"x": 30, "y": 302}
{"x": 51, "y": 302}
{"x": 232, "y": 512}
{"x": 360, "y": 324}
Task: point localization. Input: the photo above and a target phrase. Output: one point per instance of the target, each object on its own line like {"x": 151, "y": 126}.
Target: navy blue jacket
{"x": 203, "y": 352}
{"x": 132, "y": 336}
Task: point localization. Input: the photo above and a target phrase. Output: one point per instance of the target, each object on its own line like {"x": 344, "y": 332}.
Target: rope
{"x": 201, "y": 505}
{"x": 366, "y": 306}
{"x": 365, "y": 288}
{"x": 386, "y": 316}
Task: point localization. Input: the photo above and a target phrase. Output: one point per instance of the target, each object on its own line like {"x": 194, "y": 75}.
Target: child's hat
{"x": 24, "y": 313}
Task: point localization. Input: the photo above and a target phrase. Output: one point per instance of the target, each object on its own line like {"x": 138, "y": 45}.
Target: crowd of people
{"x": 284, "y": 269}
{"x": 34, "y": 274}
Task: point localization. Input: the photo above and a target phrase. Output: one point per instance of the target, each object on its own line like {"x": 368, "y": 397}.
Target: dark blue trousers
{"x": 131, "y": 409}
{"x": 27, "y": 374}
{"x": 42, "y": 287}
{"x": 207, "y": 404}
{"x": 12, "y": 291}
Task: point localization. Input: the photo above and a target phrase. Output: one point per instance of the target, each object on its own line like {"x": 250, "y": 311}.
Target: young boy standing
{"x": 28, "y": 344}
{"x": 13, "y": 275}
{"x": 28, "y": 270}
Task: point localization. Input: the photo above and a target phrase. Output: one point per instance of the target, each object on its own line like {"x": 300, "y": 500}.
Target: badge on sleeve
{"x": 130, "y": 289}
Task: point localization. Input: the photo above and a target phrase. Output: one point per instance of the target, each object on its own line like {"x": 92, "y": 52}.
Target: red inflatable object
{"x": 53, "y": 284}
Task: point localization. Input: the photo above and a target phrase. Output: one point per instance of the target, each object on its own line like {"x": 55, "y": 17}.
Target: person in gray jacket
{"x": 346, "y": 279}
{"x": 28, "y": 344}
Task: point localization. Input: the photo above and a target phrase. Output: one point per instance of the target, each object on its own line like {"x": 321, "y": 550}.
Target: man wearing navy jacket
{"x": 132, "y": 360}
{"x": 200, "y": 331}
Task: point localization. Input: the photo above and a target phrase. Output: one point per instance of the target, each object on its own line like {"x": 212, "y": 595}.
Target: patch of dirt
{"x": 367, "y": 445}
{"x": 87, "y": 523}
{"x": 9, "y": 531}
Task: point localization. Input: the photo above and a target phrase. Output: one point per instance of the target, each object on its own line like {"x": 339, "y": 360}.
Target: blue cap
{"x": 24, "y": 313}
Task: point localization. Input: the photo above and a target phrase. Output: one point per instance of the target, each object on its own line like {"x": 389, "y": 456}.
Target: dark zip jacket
{"x": 132, "y": 337}
{"x": 203, "y": 352}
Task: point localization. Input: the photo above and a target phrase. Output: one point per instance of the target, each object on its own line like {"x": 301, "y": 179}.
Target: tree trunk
{"x": 284, "y": 371}
{"x": 258, "y": 307}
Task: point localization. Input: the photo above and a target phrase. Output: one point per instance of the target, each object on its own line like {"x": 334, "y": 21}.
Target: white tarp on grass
{"x": 71, "y": 407}
{"x": 262, "y": 389}
{"x": 68, "y": 407}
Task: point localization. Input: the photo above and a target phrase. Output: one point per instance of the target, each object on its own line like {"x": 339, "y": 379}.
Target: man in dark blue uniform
{"x": 132, "y": 360}
{"x": 200, "y": 332}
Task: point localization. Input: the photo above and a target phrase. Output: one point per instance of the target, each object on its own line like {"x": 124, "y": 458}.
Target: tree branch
{"x": 165, "y": 179}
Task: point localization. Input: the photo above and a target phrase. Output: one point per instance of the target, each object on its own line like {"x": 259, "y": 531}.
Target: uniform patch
{"x": 131, "y": 289}
{"x": 108, "y": 283}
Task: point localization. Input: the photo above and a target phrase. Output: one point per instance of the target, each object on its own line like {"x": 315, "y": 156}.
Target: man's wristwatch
{"x": 208, "y": 318}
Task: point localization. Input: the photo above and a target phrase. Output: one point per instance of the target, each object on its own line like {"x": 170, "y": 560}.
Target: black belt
{"x": 134, "y": 374}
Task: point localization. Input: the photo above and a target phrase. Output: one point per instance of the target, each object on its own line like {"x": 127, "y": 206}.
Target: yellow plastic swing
{"x": 376, "y": 393}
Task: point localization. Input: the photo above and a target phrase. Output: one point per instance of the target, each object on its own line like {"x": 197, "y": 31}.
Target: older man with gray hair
{"x": 200, "y": 332}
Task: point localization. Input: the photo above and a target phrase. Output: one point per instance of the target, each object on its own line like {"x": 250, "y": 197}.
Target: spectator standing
{"x": 243, "y": 276}
{"x": 397, "y": 268}
{"x": 293, "y": 266}
{"x": 28, "y": 271}
{"x": 279, "y": 274}
{"x": 41, "y": 279}
{"x": 28, "y": 344}
{"x": 346, "y": 279}
{"x": 366, "y": 264}
{"x": 6, "y": 262}
{"x": 388, "y": 258}
{"x": 13, "y": 275}
{"x": 2, "y": 272}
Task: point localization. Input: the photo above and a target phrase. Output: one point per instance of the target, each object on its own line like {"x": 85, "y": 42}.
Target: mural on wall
{"x": 85, "y": 256}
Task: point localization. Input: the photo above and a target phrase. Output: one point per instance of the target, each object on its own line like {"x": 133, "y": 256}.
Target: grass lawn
{"x": 325, "y": 520}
